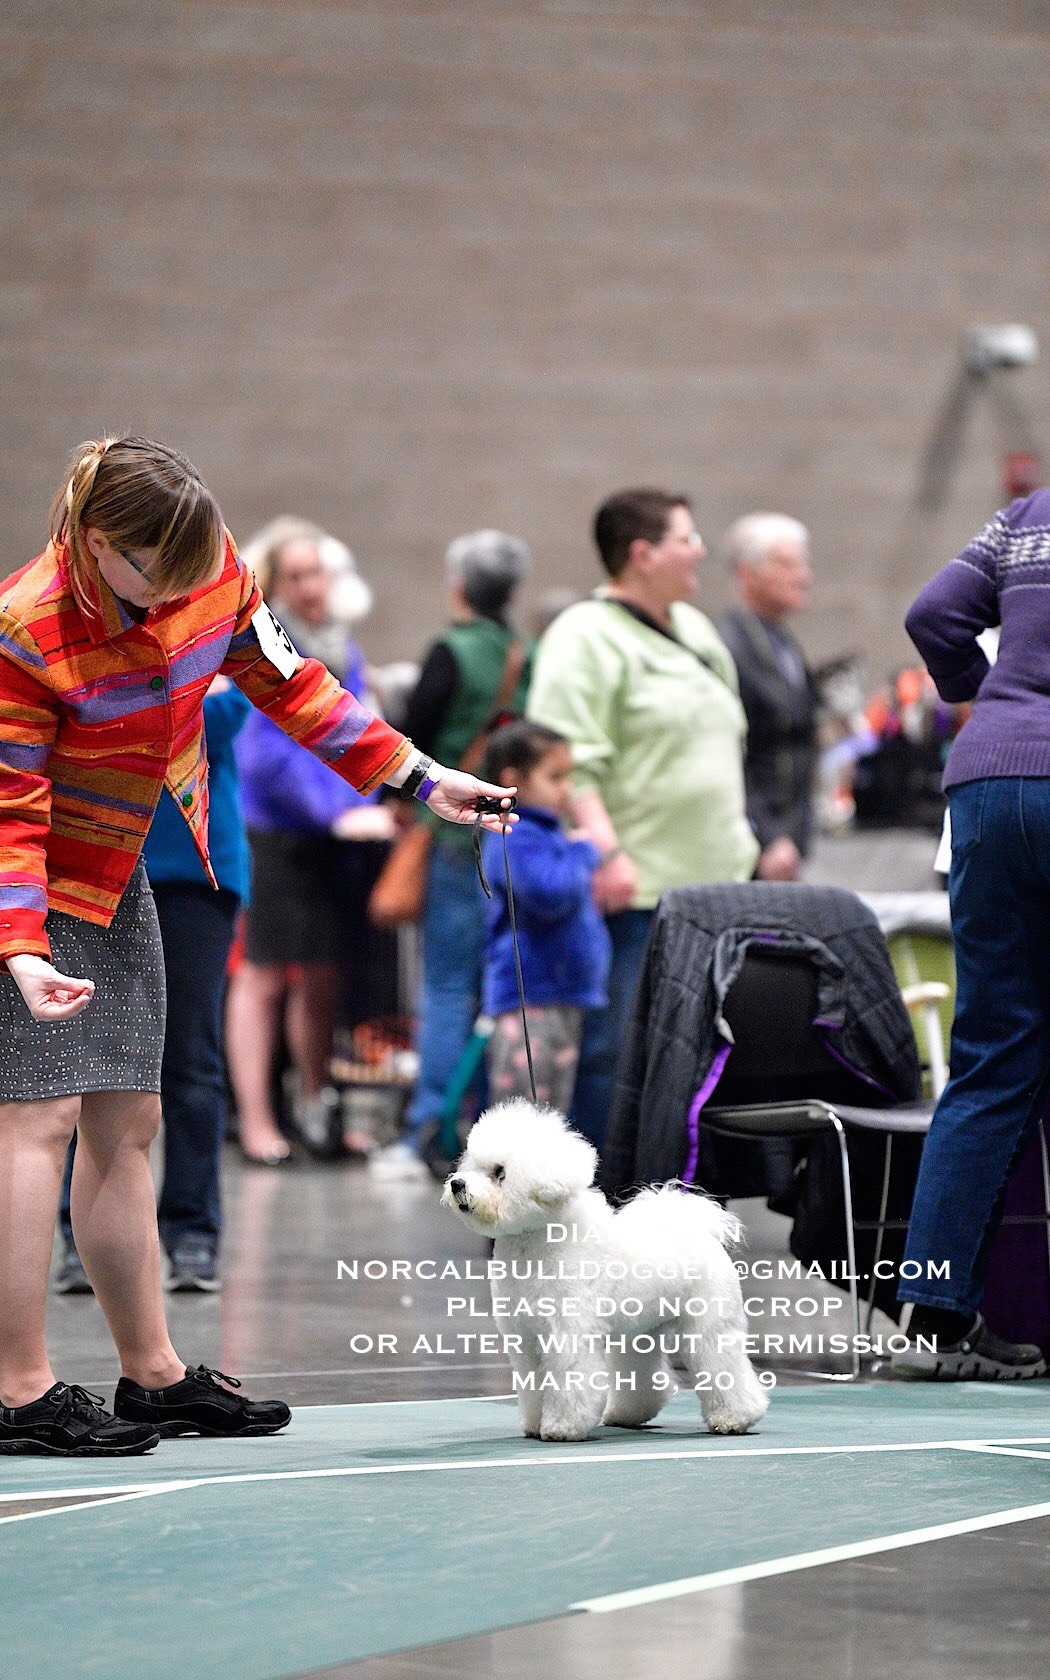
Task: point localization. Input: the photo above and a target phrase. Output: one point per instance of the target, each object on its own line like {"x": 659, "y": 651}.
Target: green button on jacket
{"x": 156, "y": 682}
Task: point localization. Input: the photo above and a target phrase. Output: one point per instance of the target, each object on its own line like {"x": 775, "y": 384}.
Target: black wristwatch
{"x": 416, "y": 776}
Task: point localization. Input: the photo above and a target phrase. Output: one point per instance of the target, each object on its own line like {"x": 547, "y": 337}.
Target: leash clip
{"x": 488, "y": 805}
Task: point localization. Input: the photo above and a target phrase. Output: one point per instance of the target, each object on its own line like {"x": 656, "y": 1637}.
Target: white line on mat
{"x": 539, "y": 1459}
{"x": 809, "y": 1560}
{"x": 1005, "y": 1452}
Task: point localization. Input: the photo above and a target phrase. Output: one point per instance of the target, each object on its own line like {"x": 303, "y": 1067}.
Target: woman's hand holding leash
{"x": 49, "y": 996}
{"x": 456, "y": 794}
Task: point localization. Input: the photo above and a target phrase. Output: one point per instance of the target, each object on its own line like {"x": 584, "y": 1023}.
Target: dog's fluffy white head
{"x": 521, "y": 1165}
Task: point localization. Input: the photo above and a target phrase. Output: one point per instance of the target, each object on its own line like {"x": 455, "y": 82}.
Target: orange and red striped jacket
{"x": 99, "y": 712}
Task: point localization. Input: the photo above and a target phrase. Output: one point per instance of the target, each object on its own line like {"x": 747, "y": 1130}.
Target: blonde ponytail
{"x": 67, "y": 513}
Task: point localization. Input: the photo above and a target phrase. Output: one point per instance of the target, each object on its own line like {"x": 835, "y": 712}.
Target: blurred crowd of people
{"x": 650, "y": 748}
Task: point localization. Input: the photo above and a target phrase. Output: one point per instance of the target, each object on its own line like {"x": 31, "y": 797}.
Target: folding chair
{"x": 777, "y": 1066}
{"x": 766, "y": 1079}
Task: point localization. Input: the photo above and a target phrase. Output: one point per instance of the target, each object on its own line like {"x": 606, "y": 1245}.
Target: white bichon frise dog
{"x": 591, "y": 1301}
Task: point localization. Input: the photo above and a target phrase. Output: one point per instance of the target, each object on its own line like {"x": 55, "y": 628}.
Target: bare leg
{"x": 34, "y": 1137}
{"x": 114, "y": 1213}
{"x": 252, "y": 1018}
{"x": 310, "y": 1024}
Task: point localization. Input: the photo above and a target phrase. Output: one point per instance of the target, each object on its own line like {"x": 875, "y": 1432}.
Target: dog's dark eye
{"x": 499, "y": 1174}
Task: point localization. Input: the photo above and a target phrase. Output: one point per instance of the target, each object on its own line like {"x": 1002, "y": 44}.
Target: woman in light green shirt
{"x": 645, "y": 690}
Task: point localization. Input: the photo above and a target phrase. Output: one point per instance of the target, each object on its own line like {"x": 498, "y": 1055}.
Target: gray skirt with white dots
{"x": 117, "y": 1042}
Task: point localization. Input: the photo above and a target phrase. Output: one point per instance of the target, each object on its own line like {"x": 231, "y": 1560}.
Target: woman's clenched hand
{"x": 49, "y": 996}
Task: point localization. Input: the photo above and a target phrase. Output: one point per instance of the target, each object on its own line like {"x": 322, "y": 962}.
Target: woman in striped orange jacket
{"x": 108, "y": 643}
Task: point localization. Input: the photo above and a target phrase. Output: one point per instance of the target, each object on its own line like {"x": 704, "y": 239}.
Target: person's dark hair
{"x": 628, "y": 515}
{"x": 518, "y": 746}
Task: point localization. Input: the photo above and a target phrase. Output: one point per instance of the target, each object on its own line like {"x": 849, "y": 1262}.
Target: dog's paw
{"x": 531, "y": 1434}
{"x": 563, "y": 1432}
{"x": 734, "y": 1423}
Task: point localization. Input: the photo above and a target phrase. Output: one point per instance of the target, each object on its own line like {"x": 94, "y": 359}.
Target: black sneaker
{"x": 193, "y": 1268}
{"x": 72, "y": 1423}
{"x": 71, "y": 1278}
{"x": 199, "y": 1405}
{"x": 977, "y": 1357}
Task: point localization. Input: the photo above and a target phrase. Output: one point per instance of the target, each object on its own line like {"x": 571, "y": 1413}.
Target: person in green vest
{"x": 474, "y": 671}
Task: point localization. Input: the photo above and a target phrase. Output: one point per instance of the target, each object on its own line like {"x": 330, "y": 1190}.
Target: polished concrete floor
{"x": 966, "y": 1608}
{"x": 403, "y": 1528}
{"x": 383, "y": 1540}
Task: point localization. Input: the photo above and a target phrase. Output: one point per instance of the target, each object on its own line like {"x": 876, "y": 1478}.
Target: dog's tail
{"x": 680, "y": 1211}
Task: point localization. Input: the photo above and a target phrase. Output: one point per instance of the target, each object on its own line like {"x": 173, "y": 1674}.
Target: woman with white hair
{"x": 769, "y": 556}
{"x": 473, "y": 675}
{"x": 297, "y": 812}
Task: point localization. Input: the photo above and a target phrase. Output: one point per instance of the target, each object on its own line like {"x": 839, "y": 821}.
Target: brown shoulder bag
{"x": 400, "y": 891}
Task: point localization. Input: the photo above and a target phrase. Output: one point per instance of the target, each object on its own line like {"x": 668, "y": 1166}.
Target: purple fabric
{"x": 22, "y": 655}
{"x": 17, "y": 755}
{"x": 827, "y": 1026}
{"x": 1002, "y": 577}
{"x": 23, "y": 898}
{"x": 714, "y": 1074}
{"x": 283, "y": 786}
{"x": 348, "y": 727}
{"x": 286, "y": 787}
{"x": 104, "y": 701}
{"x": 1016, "y": 1300}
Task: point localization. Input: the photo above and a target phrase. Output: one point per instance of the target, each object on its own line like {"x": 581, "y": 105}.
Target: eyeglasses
{"x": 133, "y": 563}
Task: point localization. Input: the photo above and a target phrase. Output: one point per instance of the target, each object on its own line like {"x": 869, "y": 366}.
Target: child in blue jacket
{"x": 562, "y": 937}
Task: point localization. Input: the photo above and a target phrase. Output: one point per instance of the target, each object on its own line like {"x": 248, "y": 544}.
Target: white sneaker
{"x": 397, "y": 1161}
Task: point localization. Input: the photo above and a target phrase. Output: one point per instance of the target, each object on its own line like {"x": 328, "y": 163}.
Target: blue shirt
{"x": 563, "y": 940}
{"x": 169, "y": 852}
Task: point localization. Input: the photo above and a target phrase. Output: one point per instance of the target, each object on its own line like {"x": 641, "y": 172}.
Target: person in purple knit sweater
{"x": 998, "y": 785}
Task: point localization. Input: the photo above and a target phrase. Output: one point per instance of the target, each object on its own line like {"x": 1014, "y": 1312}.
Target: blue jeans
{"x": 453, "y": 952}
{"x": 196, "y": 927}
{"x": 604, "y": 1029}
{"x": 1000, "y": 1056}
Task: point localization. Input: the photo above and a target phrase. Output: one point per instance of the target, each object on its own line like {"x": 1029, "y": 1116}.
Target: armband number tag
{"x": 274, "y": 641}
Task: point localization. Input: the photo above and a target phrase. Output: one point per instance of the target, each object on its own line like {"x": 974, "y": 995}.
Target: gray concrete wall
{"x": 413, "y": 268}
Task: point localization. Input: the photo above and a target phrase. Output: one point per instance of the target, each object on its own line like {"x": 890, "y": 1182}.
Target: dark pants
{"x": 604, "y": 1029}
{"x": 196, "y": 927}
{"x": 1000, "y": 1059}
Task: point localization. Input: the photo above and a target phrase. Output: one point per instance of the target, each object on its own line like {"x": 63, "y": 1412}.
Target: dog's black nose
{"x": 456, "y": 1185}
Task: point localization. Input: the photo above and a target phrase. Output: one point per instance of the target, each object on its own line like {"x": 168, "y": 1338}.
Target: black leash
{"x": 494, "y": 807}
